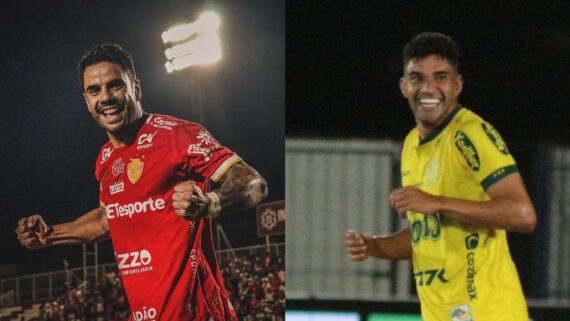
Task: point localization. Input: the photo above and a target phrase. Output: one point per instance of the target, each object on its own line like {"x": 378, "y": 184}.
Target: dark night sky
{"x": 344, "y": 63}
{"x": 50, "y": 143}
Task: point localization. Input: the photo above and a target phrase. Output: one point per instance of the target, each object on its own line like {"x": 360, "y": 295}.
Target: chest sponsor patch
{"x": 468, "y": 150}
{"x": 145, "y": 140}
{"x": 116, "y": 187}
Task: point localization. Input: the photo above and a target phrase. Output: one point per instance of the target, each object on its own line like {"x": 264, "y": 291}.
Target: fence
{"x": 551, "y": 252}
{"x": 333, "y": 186}
{"x": 47, "y": 286}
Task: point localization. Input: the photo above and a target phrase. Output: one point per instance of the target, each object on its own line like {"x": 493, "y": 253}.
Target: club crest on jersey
{"x": 468, "y": 150}
{"x": 135, "y": 170}
{"x": 494, "y": 136}
{"x": 461, "y": 313}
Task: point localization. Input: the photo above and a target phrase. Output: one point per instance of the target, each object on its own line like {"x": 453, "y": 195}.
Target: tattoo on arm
{"x": 241, "y": 188}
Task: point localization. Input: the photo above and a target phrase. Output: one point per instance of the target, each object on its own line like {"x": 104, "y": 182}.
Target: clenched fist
{"x": 358, "y": 245}
{"x": 190, "y": 203}
{"x": 32, "y": 232}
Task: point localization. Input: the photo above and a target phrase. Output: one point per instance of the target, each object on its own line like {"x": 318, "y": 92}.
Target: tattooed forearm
{"x": 241, "y": 188}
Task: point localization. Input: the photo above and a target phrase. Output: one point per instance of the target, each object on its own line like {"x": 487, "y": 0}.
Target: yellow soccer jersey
{"x": 461, "y": 272}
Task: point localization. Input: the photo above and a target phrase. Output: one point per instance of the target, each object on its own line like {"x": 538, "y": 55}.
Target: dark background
{"x": 344, "y": 61}
{"x": 50, "y": 142}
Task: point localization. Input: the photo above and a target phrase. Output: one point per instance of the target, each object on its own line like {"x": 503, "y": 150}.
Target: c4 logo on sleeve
{"x": 135, "y": 170}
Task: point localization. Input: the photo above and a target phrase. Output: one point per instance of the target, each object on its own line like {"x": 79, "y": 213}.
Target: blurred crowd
{"x": 256, "y": 285}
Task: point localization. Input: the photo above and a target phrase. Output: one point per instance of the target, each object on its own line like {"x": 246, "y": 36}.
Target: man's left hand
{"x": 411, "y": 198}
{"x": 189, "y": 202}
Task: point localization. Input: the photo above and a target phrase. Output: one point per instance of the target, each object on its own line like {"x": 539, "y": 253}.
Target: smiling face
{"x": 432, "y": 87}
{"x": 112, "y": 96}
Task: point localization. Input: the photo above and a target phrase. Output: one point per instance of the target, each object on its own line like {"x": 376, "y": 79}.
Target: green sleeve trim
{"x": 498, "y": 175}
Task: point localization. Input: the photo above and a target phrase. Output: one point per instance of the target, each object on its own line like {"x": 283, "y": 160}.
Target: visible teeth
{"x": 110, "y": 111}
{"x": 429, "y": 101}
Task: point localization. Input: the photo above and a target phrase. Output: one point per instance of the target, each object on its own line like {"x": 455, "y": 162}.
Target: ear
{"x": 85, "y": 97}
{"x": 459, "y": 85}
{"x": 403, "y": 86}
{"x": 138, "y": 91}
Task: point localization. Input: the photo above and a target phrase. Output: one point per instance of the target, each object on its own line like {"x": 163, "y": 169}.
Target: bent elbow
{"x": 255, "y": 191}
{"x": 528, "y": 219}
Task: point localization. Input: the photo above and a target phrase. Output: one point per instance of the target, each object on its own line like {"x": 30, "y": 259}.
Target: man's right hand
{"x": 32, "y": 232}
{"x": 358, "y": 245}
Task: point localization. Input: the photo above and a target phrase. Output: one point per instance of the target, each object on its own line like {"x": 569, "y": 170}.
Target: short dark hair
{"x": 106, "y": 52}
{"x": 432, "y": 43}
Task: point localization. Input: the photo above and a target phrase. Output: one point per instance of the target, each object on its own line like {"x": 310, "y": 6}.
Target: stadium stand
{"x": 255, "y": 281}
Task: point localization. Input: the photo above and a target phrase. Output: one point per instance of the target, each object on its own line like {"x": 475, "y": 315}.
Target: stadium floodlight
{"x": 201, "y": 43}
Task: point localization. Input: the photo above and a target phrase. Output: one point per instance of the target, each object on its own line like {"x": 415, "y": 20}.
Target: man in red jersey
{"x": 155, "y": 200}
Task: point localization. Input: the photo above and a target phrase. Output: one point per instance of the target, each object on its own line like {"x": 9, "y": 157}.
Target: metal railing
{"x": 49, "y": 285}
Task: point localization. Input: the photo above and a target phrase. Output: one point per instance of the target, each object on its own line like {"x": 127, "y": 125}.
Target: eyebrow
{"x": 92, "y": 87}
{"x": 114, "y": 82}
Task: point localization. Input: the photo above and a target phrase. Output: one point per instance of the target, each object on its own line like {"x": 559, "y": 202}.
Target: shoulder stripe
{"x": 498, "y": 175}
{"x": 224, "y": 167}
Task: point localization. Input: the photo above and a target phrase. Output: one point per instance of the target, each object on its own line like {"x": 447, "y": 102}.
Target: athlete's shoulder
{"x": 171, "y": 123}
{"x": 413, "y": 137}
{"x": 105, "y": 153}
{"x": 465, "y": 119}
{"x": 103, "y": 159}
{"x": 470, "y": 123}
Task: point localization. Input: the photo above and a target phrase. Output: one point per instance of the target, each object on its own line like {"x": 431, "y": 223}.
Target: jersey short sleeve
{"x": 200, "y": 153}
{"x": 484, "y": 152}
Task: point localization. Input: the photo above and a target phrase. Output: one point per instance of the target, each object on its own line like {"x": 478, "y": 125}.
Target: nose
{"x": 428, "y": 86}
{"x": 106, "y": 95}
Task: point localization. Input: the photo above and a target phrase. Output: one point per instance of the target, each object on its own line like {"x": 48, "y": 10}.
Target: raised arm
{"x": 396, "y": 246}
{"x": 241, "y": 188}
{"x": 34, "y": 233}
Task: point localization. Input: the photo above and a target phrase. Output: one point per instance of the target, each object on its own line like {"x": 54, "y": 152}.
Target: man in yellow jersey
{"x": 461, "y": 192}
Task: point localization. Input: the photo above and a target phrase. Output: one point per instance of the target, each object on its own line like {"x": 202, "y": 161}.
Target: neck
{"x": 128, "y": 134}
{"x": 426, "y": 128}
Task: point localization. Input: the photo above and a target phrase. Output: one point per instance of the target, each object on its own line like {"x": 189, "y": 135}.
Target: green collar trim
{"x": 441, "y": 127}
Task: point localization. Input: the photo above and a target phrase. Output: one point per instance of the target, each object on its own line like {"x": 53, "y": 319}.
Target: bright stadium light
{"x": 195, "y": 43}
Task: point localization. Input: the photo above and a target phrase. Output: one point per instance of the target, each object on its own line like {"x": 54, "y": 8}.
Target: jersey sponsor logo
{"x": 160, "y": 122}
{"x": 118, "y": 167}
{"x": 135, "y": 170}
{"x": 145, "y": 140}
{"x": 461, "y": 313}
{"x": 471, "y": 243}
{"x": 193, "y": 263}
{"x": 117, "y": 211}
{"x": 427, "y": 229}
{"x": 134, "y": 259}
{"x": 105, "y": 154}
{"x": 117, "y": 187}
{"x": 495, "y": 137}
{"x": 468, "y": 150}
{"x": 428, "y": 276}
{"x": 145, "y": 314}
{"x": 205, "y": 139}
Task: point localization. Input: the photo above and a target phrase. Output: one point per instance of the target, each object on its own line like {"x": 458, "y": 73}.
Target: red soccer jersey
{"x": 167, "y": 264}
